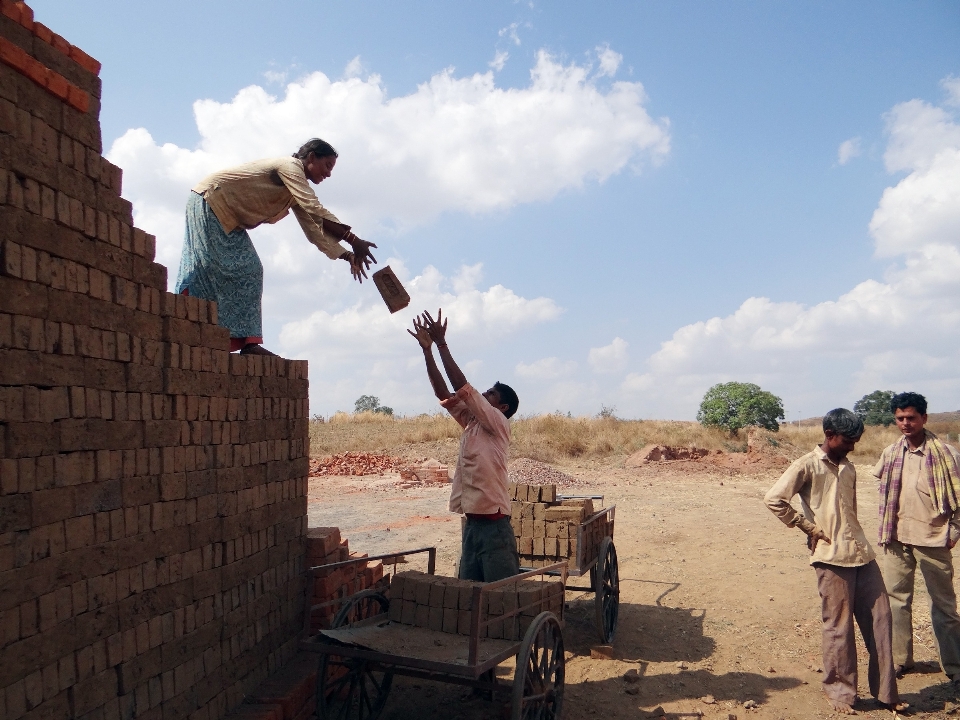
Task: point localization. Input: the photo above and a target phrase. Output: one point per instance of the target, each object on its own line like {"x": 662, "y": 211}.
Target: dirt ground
{"x": 718, "y": 602}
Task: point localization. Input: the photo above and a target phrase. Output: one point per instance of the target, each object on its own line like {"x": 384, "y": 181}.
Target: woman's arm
{"x": 320, "y": 225}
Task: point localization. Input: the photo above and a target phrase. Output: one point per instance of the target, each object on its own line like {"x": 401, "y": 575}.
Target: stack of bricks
{"x": 152, "y": 486}
{"x": 548, "y": 530}
{"x": 331, "y": 586}
{"x": 445, "y": 604}
{"x": 289, "y": 694}
{"x": 431, "y": 471}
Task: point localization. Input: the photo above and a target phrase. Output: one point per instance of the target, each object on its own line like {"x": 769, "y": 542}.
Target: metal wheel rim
{"x": 538, "y": 679}
{"x": 607, "y": 588}
{"x": 360, "y": 690}
{"x": 359, "y": 693}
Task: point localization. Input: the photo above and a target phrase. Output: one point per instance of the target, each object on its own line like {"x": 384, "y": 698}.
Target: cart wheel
{"x": 350, "y": 688}
{"x": 364, "y": 604}
{"x": 538, "y": 679}
{"x": 606, "y": 585}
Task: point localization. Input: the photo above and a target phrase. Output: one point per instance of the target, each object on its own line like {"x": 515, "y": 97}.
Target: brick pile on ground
{"x": 331, "y": 586}
{"x": 424, "y": 473}
{"x": 549, "y": 530}
{"x": 152, "y": 485}
{"x": 534, "y": 472}
{"x": 356, "y": 463}
{"x": 445, "y": 604}
{"x": 289, "y": 694}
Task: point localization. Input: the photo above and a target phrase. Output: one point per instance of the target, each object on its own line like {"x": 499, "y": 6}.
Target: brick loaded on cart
{"x": 550, "y": 528}
{"x": 444, "y": 629}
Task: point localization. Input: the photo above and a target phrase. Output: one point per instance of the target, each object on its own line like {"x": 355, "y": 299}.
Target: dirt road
{"x": 718, "y": 601}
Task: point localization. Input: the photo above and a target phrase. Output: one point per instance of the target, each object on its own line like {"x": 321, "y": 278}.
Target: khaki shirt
{"x": 264, "y": 191}
{"x": 917, "y": 520}
{"x": 480, "y": 481}
{"x": 828, "y": 496}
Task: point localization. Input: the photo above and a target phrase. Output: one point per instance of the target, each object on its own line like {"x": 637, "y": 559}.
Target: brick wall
{"x": 152, "y": 486}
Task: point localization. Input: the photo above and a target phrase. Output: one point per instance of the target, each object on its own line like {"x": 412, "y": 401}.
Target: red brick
{"x": 60, "y": 44}
{"x": 43, "y": 32}
{"x": 84, "y": 60}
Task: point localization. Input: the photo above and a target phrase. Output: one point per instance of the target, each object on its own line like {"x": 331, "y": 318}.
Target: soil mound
{"x": 665, "y": 453}
{"x": 765, "y": 451}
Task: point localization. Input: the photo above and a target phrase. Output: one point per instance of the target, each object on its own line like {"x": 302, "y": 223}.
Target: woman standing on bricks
{"x": 219, "y": 261}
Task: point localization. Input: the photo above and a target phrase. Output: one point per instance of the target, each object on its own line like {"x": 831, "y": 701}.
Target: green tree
{"x": 874, "y": 409}
{"x": 736, "y": 405}
{"x": 370, "y": 403}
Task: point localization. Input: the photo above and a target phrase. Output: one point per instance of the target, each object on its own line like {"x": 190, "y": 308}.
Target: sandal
{"x": 256, "y": 349}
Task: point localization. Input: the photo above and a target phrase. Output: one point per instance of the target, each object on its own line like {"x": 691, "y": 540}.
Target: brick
{"x": 15, "y": 513}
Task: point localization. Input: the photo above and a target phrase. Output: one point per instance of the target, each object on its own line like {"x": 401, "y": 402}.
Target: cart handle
{"x": 596, "y": 515}
{"x": 431, "y": 561}
{"x": 312, "y": 572}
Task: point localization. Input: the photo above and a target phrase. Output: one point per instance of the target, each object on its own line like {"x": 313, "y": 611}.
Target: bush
{"x": 874, "y": 409}
{"x": 736, "y": 405}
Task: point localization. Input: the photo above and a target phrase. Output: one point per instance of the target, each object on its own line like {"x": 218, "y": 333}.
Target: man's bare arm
{"x": 433, "y": 372}
{"x": 438, "y": 333}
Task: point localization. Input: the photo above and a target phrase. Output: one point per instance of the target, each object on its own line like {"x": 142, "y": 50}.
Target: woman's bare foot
{"x": 255, "y": 349}
{"x": 841, "y": 707}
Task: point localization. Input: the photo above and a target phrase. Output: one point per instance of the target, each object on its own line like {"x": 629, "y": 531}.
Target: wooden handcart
{"x": 597, "y": 556}
{"x": 363, "y": 650}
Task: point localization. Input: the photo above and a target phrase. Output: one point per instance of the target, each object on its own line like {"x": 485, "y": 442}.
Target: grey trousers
{"x": 899, "y": 572}
{"x": 488, "y": 550}
{"x": 849, "y": 593}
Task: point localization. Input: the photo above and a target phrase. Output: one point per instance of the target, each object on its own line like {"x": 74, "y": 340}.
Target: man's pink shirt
{"x": 480, "y": 480}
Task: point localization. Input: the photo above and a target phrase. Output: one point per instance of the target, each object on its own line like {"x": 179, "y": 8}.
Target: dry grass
{"x": 553, "y": 438}
{"x": 376, "y": 432}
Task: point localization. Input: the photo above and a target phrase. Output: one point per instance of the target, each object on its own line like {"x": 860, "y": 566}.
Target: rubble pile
{"x": 356, "y": 463}
{"x": 524, "y": 471}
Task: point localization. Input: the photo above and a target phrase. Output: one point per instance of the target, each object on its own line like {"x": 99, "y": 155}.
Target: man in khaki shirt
{"x": 848, "y": 578}
{"x": 917, "y": 533}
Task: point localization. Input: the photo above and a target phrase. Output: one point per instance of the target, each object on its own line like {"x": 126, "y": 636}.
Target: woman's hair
{"x": 320, "y": 148}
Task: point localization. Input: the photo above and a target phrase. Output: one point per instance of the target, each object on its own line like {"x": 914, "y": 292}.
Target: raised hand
{"x": 421, "y": 335}
{"x": 437, "y": 328}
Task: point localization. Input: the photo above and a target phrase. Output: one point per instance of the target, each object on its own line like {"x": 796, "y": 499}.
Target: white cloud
{"x": 335, "y": 341}
{"x": 275, "y": 77}
{"x": 549, "y": 368}
{"x": 510, "y": 32}
{"x": 455, "y": 144}
{"x": 353, "y": 69}
{"x": 848, "y": 150}
{"x": 951, "y": 85}
{"x": 609, "y": 61}
{"x": 458, "y": 144}
{"x": 499, "y": 60}
{"x": 610, "y": 358}
{"x": 901, "y": 332}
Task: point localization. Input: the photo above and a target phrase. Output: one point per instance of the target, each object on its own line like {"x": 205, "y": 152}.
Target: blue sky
{"x": 674, "y": 165}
